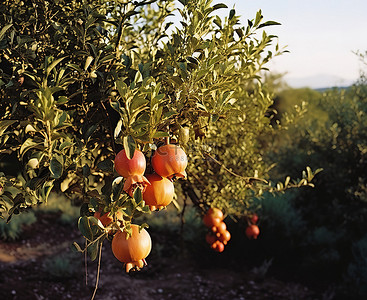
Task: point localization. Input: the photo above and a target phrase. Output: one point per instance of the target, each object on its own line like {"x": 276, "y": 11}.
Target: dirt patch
{"x": 42, "y": 266}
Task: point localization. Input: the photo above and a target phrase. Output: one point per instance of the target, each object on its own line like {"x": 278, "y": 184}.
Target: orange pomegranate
{"x": 254, "y": 219}
{"x": 218, "y": 246}
{"x": 221, "y": 228}
{"x": 132, "y": 250}
{"x": 224, "y": 237}
{"x": 132, "y": 169}
{"x": 252, "y": 231}
{"x": 159, "y": 193}
{"x": 170, "y": 161}
{"x": 213, "y": 217}
{"x": 106, "y": 218}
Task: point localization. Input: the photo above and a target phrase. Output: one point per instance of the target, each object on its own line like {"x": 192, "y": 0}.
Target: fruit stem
{"x": 86, "y": 263}
{"x": 98, "y": 270}
{"x": 145, "y": 262}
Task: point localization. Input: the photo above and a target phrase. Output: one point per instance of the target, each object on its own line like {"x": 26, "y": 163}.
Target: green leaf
{"x": 214, "y": 118}
{"x": 29, "y": 144}
{"x": 138, "y": 196}
{"x": 160, "y": 134}
{"x": 75, "y": 67}
{"x": 105, "y": 165}
{"x": 137, "y": 103}
{"x": 219, "y": 5}
{"x": 76, "y": 248}
{"x": 258, "y": 17}
{"x": 36, "y": 183}
{"x": 84, "y": 228}
{"x": 91, "y": 129}
{"x": 88, "y": 61}
{"x": 84, "y": 209}
{"x": 93, "y": 251}
{"x": 4, "y": 29}
{"x": 142, "y": 226}
{"x": 62, "y": 119}
{"x": 129, "y": 146}
{"x": 117, "y": 186}
{"x": 86, "y": 170}
{"x": 268, "y": 23}
{"x": 4, "y": 124}
{"x": 168, "y": 114}
{"x": 65, "y": 145}
{"x": 287, "y": 180}
{"x": 62, "y": 100}
{"x": 232, "y": 12}
{"x": 118, "y": 129}
{"x": 53, "y": 65}
{"x": 183, "y": 66}
{"x": 56, "y": 167}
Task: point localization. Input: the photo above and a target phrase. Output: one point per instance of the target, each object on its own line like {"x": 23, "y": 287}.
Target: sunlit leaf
{"x": 56, "y": 167}
{"x": 84, "y": 228}
{"x": 129, "y": 146}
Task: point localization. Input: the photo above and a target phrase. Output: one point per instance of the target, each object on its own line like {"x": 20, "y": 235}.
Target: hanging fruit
{"x": 159, "y": 193}
{"x": 132, "y": 250}
{"x": 170, "y": 161}
{"x": 132, "y": 169}
{"x": 218, "y": 236}
{"x": 213, "y": 217}
{"x": 106, "y": 218}
{"x": 252, "y": 231}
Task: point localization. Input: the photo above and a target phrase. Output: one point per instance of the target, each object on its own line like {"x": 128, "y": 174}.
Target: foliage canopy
{"x": 80, "y": 80}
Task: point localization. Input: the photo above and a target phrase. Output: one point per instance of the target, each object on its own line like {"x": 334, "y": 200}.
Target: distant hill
{"x": 317, "y": 82}
{"x": 321, "y": 90}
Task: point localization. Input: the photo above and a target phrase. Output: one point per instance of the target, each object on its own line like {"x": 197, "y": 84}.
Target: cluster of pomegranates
{"x": 218, "y": 236}
{"x": 252, "y": 230}
{"x": 169, "y": 162}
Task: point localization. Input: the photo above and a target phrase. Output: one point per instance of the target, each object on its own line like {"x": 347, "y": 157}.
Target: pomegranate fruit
{"x": 213, "y": 217}
{"x": 106, "y": 219}
{"x": 170, "y": 161}
{"x": 252, "y": 231}
{"x": 254, "y": 219}
{"x": 218, "y": 246}
{"x": 132, "y": 169}
{"x": 159, "y": 193}
{"x": 224, "y": 237}
{"x": 132, "y": 250}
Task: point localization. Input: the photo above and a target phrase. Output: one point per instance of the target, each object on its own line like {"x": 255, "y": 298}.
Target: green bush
{"x": 65, "y": 265}
{"x": 331, "y": 134}
{"x": 280, "y": 216}
{"x": 59, "y": 204}
{"x": 357, "y": 270}
{"x": 13, "y": 229}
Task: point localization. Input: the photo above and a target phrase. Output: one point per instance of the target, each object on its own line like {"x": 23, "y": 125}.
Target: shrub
{"x": 62, "y": 266}
{"x": 13, "y": 229}
{"x": 356, "y": 276}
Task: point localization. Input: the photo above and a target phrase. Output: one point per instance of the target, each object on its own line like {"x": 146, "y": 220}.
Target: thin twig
{"x": 182, "y": 215}
{"x": 248, "y": 179}
{"x": 111, "y": 130}
{"x": 98, "y": 270}
{"x": 86, "y": 263}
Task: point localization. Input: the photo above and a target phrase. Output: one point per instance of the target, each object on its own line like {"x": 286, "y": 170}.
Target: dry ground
{"x": 37, "y": 268}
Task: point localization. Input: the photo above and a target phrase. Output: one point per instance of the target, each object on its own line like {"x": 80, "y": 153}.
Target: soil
{"x": 42, "y": 266}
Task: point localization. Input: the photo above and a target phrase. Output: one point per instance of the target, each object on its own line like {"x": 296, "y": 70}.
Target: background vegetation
{"x": 79, "y": 81}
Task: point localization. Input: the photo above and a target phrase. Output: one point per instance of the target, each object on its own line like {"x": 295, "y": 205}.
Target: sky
{"x": 320, "y": 35}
